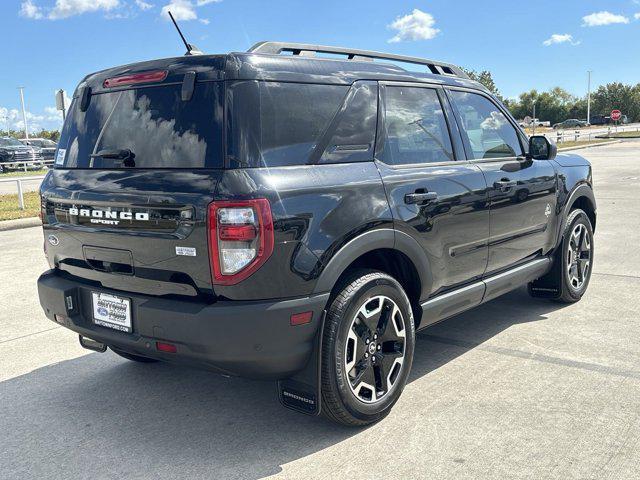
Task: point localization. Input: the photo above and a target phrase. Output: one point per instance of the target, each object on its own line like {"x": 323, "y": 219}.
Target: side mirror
{"x": 541, "y": 148}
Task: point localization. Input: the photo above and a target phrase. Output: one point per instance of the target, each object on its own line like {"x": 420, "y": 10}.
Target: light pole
{"x": 6, "y": 118}
{"x": 24, "y": 114}
{"x": 534, "y": 117}
{"x": 589, "y": 97}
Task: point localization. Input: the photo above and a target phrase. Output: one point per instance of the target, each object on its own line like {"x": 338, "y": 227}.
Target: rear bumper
{"x": 249, "y": 339}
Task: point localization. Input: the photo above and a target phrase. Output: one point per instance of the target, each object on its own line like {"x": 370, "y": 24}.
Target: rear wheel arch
{"x": 392, "y": 252}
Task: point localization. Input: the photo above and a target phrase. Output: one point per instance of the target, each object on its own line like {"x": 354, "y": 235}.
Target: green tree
{"x": 554, "y": 106}
{"x": 617, "y": 96}
{"x": 485, "y": 78}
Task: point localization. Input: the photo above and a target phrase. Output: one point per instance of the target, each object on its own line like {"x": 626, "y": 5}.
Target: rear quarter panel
{"x": 316, "y": 210}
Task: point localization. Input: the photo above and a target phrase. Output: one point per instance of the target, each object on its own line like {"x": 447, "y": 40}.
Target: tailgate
{"x": 137, "y": 230}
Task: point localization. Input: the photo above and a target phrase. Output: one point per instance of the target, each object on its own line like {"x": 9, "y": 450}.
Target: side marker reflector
{"x": 166, "y": 347}
{"x": 301, "y": 318}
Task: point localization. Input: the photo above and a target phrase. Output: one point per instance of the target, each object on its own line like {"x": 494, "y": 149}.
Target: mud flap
{"x": 301, "y": 392}
{"x": 549, "y": 285}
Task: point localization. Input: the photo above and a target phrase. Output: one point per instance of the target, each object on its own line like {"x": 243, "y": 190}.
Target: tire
{"x": 355, "y": 390}
{"x": 575, "y": 280}
{"x": 132, "y": 357}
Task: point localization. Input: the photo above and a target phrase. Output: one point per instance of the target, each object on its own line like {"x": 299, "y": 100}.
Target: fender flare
{"x": 386, "y": 238}
{"x": 582, "y": 190}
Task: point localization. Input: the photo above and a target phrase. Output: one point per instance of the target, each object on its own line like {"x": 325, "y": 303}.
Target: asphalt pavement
{"x": 517, "y": 388}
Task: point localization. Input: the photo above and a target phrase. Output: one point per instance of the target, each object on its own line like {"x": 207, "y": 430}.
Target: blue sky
{"x": 52, "y": 44}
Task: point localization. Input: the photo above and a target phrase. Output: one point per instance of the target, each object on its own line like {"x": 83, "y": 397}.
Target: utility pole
{"x": 534, "y": 118}
{"x": 24, "y": 114}
{"x": 589, "y": 96}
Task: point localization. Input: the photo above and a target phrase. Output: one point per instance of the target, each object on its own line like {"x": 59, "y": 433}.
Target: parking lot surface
{"x": 517, "y": 388}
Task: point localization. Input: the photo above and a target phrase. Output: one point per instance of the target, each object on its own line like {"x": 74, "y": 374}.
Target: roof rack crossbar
{"x": 305, "y": 49}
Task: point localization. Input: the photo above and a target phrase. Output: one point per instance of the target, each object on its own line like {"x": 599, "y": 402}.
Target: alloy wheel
{"x": 375, "y": 349}
{"x": 578, "y": 256}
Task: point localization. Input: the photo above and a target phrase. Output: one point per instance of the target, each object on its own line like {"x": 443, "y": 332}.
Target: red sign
{"x": 615, "y": 115}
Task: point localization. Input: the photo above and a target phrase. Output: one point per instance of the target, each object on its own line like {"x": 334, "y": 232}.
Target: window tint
{"x": 273, "y": 124}
{"x": 416, "y": 130}
{"x": 489, "y": 133}
{"x": 161, "y": 129}
{"x": 353, "y": 129}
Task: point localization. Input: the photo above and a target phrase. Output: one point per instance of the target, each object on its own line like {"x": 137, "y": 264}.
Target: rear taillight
{"x": 136, "y": 78}
{"x": 240, "y": 238}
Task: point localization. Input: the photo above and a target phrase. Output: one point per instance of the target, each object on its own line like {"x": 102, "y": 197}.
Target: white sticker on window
{"x": 186, "y": 251}
{"x": 60, "y": 156}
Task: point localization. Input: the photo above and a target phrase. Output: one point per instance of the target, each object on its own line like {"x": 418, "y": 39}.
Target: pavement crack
{"x": 615, "y": 275}
{"x": 28, "y": 335}
{"x": 588, "y": 366}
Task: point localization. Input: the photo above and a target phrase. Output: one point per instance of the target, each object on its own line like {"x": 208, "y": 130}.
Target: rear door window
{"x": 487, "y": 131}
{"x": 415, "y": 127}
{"x": 154, "y": 123}
{"x": 271, "y": 124}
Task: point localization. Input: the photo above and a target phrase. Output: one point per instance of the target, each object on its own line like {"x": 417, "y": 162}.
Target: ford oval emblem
{"x": 53, "y": 240}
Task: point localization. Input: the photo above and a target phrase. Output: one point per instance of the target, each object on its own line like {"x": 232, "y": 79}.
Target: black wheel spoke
{"x": 364, "y": 374}
{"x": 384, "y": 319}
{"x": 381, "y": 378}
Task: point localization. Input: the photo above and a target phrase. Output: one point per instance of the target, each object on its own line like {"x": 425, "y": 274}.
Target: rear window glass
{"x": 154, "y": 123}
{"x": 273, "y": 124}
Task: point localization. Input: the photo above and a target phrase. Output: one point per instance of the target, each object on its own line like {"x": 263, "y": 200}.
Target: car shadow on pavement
{"x": 99, "y": 415}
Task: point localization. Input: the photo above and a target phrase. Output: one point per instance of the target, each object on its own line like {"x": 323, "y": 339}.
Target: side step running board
{"x": 457, "y": 301}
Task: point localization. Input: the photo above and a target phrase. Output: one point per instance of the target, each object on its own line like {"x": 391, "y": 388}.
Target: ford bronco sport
{"x": 297, "y": 213}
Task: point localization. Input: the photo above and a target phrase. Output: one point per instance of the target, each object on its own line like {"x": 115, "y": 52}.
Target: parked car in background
{"x": 528, "y": 122}
{"x": 570, "y": 123}
{"x": 12, "y": 150}
{"x": 599, "y": 120}
{"x": 46, "y": 146}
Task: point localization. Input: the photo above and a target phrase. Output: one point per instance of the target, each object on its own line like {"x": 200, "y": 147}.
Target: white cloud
{"x": 637, "y": 16}
{"x": 205, "y": 21}
{"x": 66, "y": 8}
{"x": 603, "y": 18}
{"x": 143, "y": 5}
{"x": 560, "y": 38}
{"x": 35, "y": 122}
{"x": 417, "y": 25}
{"x": 70, "y": 8}
{"x": 50, "y": 118}
{"x": 200, "y": 3}
{"x": 180, "y": 9}
{"x": 30, "y": 10}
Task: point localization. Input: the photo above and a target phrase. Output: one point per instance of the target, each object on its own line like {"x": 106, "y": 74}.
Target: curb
{"x": 19, "y": 223}
{"x": 568, "y": 149}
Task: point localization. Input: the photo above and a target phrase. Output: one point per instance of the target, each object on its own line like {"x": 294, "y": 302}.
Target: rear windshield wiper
{"x": 117, "y": 154}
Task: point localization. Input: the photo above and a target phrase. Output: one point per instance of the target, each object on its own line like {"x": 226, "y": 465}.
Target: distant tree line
{"x": 50, "y": 134}
{"x": 557, "y": 104}
{"x": 554, "y": 105}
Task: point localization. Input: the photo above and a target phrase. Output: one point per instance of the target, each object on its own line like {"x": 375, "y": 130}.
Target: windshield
{"x": 153, "y": 125}
{"x": 10, "y": 142}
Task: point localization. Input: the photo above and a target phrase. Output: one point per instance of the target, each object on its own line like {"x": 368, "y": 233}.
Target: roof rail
{"x": 309, "y": 50}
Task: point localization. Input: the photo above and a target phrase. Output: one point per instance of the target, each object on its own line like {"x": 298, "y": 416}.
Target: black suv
{"x": 16, "y": 156}
{"x": 286, "y": 214}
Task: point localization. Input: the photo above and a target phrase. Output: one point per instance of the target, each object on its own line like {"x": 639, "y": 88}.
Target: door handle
{"x": 420, "y": 197}
{"x": 504, "y": 184}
